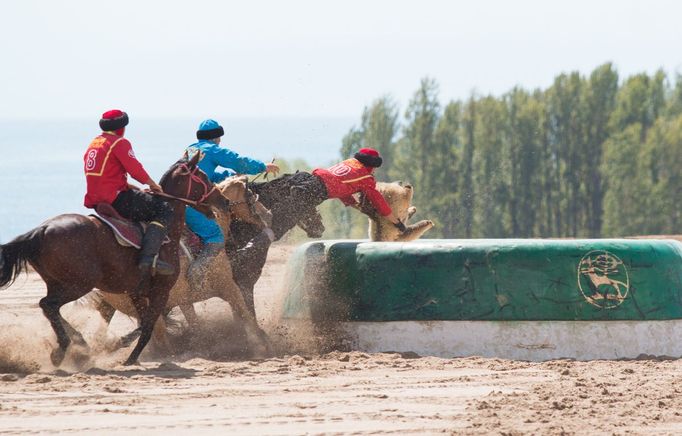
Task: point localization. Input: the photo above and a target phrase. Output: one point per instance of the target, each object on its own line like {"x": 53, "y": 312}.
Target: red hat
{"x": 113, "y": 120}
{"x": 369, "y": 151}
{"x": 369, "y": 157}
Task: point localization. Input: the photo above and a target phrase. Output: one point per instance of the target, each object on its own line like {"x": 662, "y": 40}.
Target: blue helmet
{"x": 210, "y": 129}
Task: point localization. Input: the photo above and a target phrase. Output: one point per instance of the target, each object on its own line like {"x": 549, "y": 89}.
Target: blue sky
{"x": 299, "y": 58}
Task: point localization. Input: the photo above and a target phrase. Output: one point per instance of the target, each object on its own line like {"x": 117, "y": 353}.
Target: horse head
{"x": 184, "y": 181}
{"x": 311, "y": 223}
{"x": 244, "y": 204}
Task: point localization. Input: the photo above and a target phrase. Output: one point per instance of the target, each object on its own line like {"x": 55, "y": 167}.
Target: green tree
{"x": 600, "y": 98}
{"x": 640, "y": 100}
{"x": 674, "y": 104}
{"x": 418, "y": 152}
{"x": 566, "y": 136}
{"x": 379, "y": 127}
{"x": 525, "y": 115}
{"x": 624, "y": 202}
{"x": 466, "y": 167}
{"x": 491, "y": 169}
{"x": 444, "y": 206}
{"x": 661, "y": 161}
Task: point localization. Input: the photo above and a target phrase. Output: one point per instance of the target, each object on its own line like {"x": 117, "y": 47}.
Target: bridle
{"x": 250, "y": 200}
{"x": 193, "y": 177}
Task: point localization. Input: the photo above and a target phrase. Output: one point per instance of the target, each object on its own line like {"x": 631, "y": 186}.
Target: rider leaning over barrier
{"x": 107, "y": 162}
{"x": 343, "y": 180}
{"x": 208, "y": 230}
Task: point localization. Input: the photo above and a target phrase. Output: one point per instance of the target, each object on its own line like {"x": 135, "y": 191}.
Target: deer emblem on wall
{"x": 605, "y": 277}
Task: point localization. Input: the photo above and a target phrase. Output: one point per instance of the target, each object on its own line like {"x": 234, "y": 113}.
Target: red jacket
{"x": 348, "y": 177}
{"x": 107, "y": 161}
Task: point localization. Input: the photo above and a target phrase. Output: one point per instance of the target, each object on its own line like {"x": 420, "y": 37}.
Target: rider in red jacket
{"x": 345, "y": 179}
{"x": 107, "y": 162}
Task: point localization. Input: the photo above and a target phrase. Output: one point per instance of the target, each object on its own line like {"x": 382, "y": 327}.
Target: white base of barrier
{"x": 521, "y": 340}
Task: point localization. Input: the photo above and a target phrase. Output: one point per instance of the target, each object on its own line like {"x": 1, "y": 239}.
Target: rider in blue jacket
{"x": 209, "y": 134}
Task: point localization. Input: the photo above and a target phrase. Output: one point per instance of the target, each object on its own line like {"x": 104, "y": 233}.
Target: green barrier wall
{"x": 498, "y": 280}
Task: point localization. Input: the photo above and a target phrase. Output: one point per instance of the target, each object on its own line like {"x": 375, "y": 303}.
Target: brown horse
{"x": 215, "y": 281}
{"x": 75, "y": 253}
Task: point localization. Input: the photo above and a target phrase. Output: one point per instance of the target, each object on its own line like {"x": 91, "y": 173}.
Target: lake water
{"x": 41, "y": 162}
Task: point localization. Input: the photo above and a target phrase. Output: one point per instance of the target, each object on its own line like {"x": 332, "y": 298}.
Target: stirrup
{"x": 154, "y": 265}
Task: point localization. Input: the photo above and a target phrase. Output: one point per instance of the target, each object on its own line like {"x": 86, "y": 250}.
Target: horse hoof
{"x": 57, "y": 356}
{"x": 131, "y": 362}
{"x": 129, "y": 338}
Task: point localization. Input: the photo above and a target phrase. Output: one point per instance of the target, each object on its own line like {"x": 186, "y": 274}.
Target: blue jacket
{"x": 216, "y": 156}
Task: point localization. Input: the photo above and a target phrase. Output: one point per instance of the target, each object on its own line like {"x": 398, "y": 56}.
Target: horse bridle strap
{"x": 193, "y": 177}
{"x": 250, "y": 201}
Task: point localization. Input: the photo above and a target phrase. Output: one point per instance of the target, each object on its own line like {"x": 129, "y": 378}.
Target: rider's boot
{"x": 151, "y": 244}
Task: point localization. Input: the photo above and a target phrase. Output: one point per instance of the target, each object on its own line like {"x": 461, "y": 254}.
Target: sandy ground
{"x": 209, "y": 388}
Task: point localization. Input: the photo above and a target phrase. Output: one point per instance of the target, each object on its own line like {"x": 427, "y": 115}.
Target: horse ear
{"x": 185, "y": 155}
{"x": 196, "y": 157}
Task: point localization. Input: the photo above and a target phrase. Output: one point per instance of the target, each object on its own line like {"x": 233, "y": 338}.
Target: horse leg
{"x": 50, "y": 304}
{"x": 411, "y": 211}
{"x": 74, "y": 334}
{"x": 128, "y": 339}
{"x": 241, "y": 312}
{"x": 247, "y": 267}
{"x": 247, "y": 294}
{"x": 239, "y": 264}
{"x": 149, "y": 310}
{"x": 160, "y": 335}
{"x": 106, "y": 310}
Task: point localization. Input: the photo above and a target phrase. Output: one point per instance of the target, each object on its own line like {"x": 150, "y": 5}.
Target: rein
{"x": 264, "y": 173}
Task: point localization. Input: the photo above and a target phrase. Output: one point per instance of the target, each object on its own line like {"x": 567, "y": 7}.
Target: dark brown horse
{"x": 287, "y": 212}
{"x": 74, "y": 254}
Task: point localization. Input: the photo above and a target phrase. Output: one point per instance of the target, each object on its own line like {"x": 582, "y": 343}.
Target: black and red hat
{"x": 369, "y": 157}
{"x": 113, "y": 120}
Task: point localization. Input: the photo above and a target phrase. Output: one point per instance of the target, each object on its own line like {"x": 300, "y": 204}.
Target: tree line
{"x": 590, "y": 156}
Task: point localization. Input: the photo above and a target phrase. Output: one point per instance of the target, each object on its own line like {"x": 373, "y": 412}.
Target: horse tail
{"x": 17, "y": 253}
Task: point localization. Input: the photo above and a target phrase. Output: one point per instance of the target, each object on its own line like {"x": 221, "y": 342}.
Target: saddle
{"x": 128, "y": 233}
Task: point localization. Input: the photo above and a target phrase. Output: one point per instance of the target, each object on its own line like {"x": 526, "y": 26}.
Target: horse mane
{"x": 168, "y": 172}
{"x": 271, "y": 191}
{"x": 232, "y": 180}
